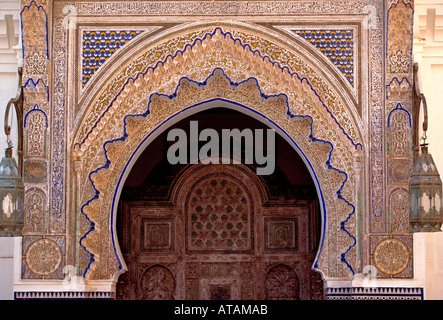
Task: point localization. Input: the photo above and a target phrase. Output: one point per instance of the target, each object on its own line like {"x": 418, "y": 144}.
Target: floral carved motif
{"x": 35, "y": 40}
{"x": 157, "y": 283}
{"x": 35, "y": 207}
{"x": 400, "y": 16}
{"x": 282, "y": 283}
{"x": 399, "y": 128}
{"x": 391, "y": 256}
{"x": 35, "y": 171}
{"x": 399, "y": 208}
{"x": 36, "y": 124}
{"x": 43, "y": 257}
{"x": 36, "y": 64}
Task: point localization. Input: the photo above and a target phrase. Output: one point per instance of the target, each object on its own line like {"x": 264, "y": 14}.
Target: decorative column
{"x": 44, "y": 235}
{"x": 390, "y": 241}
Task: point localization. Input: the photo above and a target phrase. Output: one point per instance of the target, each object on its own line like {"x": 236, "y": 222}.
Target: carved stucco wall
{"x": 337, "y": 87}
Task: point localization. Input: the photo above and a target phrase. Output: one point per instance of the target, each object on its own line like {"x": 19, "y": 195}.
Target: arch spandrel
{"x": 242, "y": 55}
{"x": 247, "y": 79}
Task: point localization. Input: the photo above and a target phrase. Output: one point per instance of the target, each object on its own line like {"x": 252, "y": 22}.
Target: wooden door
{"x": 218, "y": 237}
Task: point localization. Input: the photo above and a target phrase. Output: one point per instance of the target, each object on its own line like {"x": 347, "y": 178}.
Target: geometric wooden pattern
{"x": 219, "y": 216}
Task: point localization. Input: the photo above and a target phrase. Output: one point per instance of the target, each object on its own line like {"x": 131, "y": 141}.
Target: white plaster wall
{"x": 6, "y": 267}
{"x": 428, "y": 52}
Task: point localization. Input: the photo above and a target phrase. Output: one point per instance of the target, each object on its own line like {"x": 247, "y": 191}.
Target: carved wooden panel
{"x": 157, "y": 283}
{"x": 220, "y": 293}
{"x": 221, "y": 240}
{"x": 281, "y": 234}
{"x": 157, "y": 235}
{"x": 282, "y": 283}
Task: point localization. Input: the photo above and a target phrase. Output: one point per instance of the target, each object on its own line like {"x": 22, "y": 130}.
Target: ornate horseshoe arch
{"x": 257, "y": 75}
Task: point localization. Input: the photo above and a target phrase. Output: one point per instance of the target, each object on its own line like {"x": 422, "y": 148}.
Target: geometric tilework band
{"x": 375, "y": 293}
{"x": 98, "y": 46}
{"x": 337, "y": 45}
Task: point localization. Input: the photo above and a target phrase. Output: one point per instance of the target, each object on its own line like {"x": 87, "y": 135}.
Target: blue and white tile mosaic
{"x": 337, "y": 45}
{"x": 98, "y": 46}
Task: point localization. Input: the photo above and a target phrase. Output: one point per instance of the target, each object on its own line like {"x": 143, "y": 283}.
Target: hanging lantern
{"x": 425, "y": 187}
{"x": 12, "y": 197}
{"x": 11, "y": 184}
{"x": 425, "y": 190}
